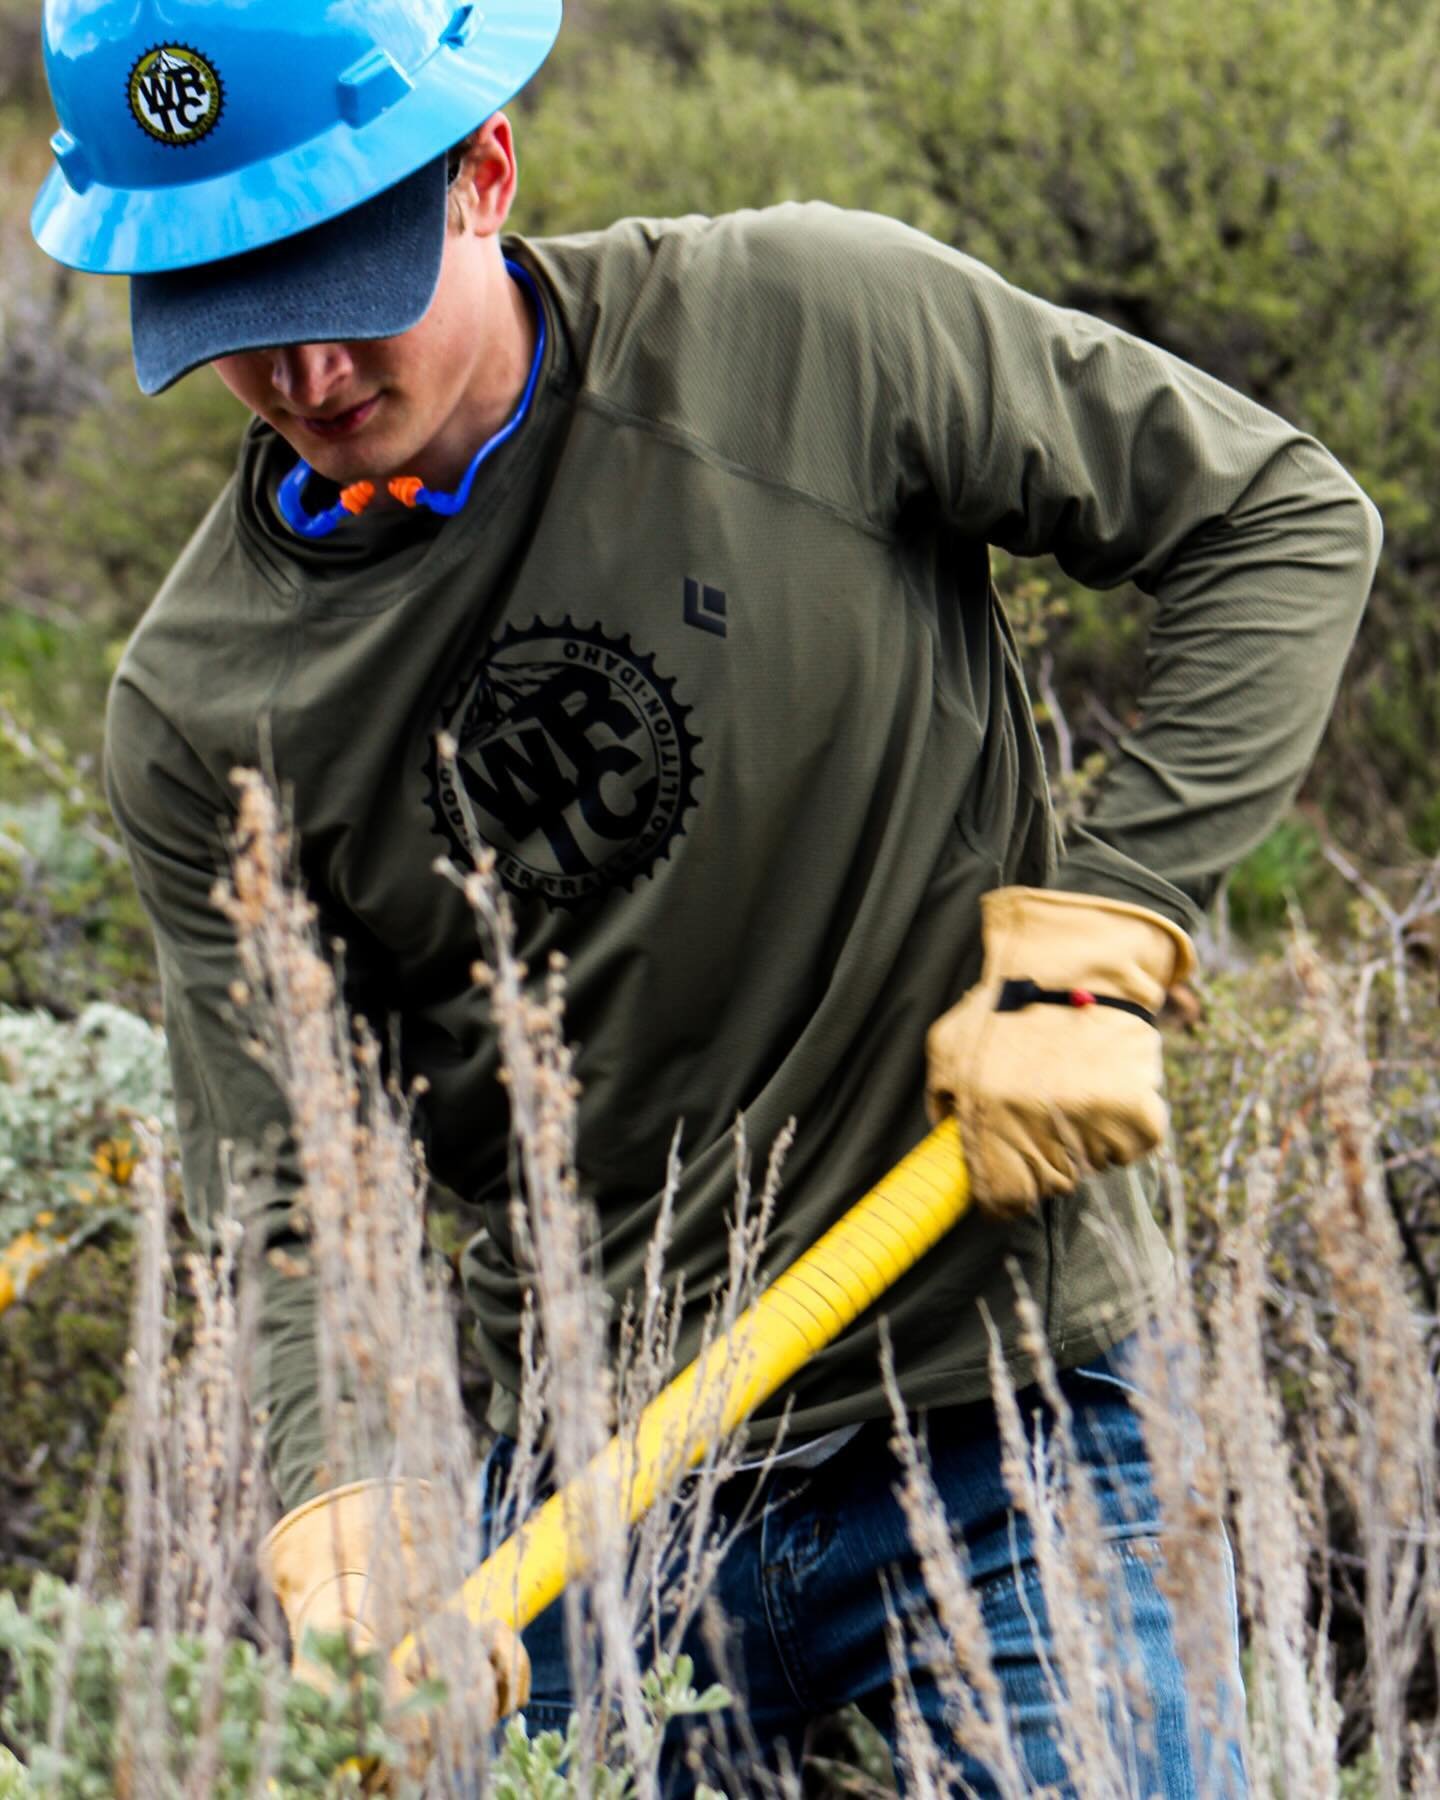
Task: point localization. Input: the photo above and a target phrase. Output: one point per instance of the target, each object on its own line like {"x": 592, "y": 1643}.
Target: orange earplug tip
{"x": 405, "y": 488}
{"x": 357, "y": 497}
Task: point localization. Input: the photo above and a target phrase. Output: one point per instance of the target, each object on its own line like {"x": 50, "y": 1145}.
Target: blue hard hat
{"x": 198, "y": 130}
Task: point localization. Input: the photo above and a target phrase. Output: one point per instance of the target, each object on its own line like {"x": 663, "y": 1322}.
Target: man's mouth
{"x": 338, "y": 425}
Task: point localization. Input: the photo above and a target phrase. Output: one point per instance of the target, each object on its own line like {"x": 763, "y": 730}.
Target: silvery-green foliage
{"x": 323, "y": 1739}
{"x": 64, "y": 1086}
{"x": 72, "y": 929}
{"x": 539, "y": 1768}
{"x": 38, "y": 835}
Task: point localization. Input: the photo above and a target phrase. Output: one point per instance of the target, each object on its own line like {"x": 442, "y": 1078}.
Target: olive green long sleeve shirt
{"x": 738, "y": 709}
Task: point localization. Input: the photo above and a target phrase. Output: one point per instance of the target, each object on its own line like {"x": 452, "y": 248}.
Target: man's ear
{"x": 484, "y": 190}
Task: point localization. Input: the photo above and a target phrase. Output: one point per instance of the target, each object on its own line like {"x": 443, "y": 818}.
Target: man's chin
{"x": 364, "y": 456}
{"x": 341, "y": 467}
{"x": 375, "y": 456}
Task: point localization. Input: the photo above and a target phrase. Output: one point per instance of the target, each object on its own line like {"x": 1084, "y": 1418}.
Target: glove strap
{"x": 1015, "y": 996}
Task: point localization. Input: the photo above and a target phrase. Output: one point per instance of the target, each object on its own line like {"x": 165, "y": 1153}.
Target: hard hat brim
{"x": 371, "y": 273}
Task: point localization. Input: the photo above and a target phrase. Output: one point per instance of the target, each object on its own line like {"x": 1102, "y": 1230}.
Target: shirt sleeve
{"x": 173, "y": 820}
{"x": 1040, "y": 429}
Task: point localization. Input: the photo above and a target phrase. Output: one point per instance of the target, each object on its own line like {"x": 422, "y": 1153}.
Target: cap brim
{"x": 370, "y": 273}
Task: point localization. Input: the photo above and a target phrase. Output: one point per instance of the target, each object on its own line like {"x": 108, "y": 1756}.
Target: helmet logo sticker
{"x": 176, "y": 95}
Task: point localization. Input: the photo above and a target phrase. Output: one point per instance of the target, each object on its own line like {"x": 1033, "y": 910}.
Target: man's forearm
{"x": 1256, "y": 614}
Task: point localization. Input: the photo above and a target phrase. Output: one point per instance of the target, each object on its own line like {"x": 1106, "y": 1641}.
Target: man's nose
{"x": 308, "y": 375}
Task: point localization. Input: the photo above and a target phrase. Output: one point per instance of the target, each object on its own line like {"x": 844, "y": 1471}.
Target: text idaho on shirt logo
{"x": 176, "y": 94}
{"x": 576, "y": 761}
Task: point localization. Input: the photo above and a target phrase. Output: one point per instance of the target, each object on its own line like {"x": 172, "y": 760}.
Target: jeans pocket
{"x": 1111, "y": 1369}
{"x": 1109, "y": 1440}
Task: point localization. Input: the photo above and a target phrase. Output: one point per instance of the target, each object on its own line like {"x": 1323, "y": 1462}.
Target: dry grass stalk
{"x": 679, "y": 1559}
{"x": 1424, "y": 1767}
{"x": 555, "y": 1239}
{"x": 926, "y": 1773}
{"x": 1383, "y": 1452}
{"x": 555, "y": 1235}
{"x": 1090, "y": 1652}
{"x": 150, "y": 1373}
{"x": 1169, "y": 1370}
{"x": 647, "y": 1349}
{"x": 194, "y": 1494}
{"x": 1213, "y": 1423}
{"x": 388, "y": 1376}
{"x": 960, "y": 1655}
{"x": 1293, "y": 1718}
{"x": 649, "y": 1582}
{"x": 151, "y": 1335}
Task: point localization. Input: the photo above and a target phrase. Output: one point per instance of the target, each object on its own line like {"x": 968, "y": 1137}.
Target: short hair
{"x": 454, "y": 162}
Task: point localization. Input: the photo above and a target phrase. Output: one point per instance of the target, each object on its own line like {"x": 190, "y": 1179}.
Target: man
{"x": 681, "y": 530}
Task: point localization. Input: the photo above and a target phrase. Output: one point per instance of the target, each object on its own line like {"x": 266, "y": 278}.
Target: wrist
{"x": 1059, "y": 939}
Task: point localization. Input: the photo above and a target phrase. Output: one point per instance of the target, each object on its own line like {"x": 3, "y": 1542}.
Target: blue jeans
{"x": 803, "y": 1592}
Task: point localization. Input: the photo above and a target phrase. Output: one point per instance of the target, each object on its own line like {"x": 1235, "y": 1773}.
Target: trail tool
{"x": 807, "y": 1307}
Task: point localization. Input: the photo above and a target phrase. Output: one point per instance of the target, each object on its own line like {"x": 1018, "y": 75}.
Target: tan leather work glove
{"x": 347, "y": 1561}
{"x": 1052, "y": 1063}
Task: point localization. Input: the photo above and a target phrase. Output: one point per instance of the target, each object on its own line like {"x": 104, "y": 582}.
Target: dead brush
{"x": 388, "y": 1381}
{"x": 1293, "y": 1717}
{"x": 1377, "y": 1439}
{"x": 388, "y": 1388}
{"x": 389, "y": 1385}
{"x": 954, "y": 1643}
{"x": 195, "y": 1500}
{"x": 1266, "y": 1393}
{"x": 1217, "y": 1375}
{"x": 196, "y": 1495}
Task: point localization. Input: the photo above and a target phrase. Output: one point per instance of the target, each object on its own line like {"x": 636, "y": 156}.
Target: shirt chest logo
{"x": 575, "y": 762}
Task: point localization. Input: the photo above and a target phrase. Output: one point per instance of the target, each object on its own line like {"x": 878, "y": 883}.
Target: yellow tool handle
{"x": 802, "y": 1311}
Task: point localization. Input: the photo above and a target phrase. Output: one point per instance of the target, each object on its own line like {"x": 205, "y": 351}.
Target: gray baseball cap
{"x": 368, "y": 273}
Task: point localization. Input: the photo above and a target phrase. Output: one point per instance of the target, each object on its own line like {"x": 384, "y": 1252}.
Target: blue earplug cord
{"x": 318, "y": 525}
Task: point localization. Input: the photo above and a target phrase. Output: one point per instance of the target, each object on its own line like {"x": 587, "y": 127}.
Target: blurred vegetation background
{"x": 1253, "y": 184}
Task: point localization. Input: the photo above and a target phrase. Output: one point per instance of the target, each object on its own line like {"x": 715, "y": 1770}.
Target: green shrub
{"x": 1276, "y": 873}
{"x": 62, "y": 1375}
{"x": 113, "y": 484}
{"x": 71, "y": 927}
{"x": 322, "y": 1741}
{"x": 67, "y": 1090}
{"x": 320, "y": 1738}
{"x": 14, "y": 1783}
{"x": 68, "y": 1093}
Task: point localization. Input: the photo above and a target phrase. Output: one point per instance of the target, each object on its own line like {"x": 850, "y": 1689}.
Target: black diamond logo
{"x": 705, "y": 608}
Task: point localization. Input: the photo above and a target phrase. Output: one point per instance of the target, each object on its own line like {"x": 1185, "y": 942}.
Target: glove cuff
{"x": 1062, "y": 940}
{"x": 332, "y": 1540}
